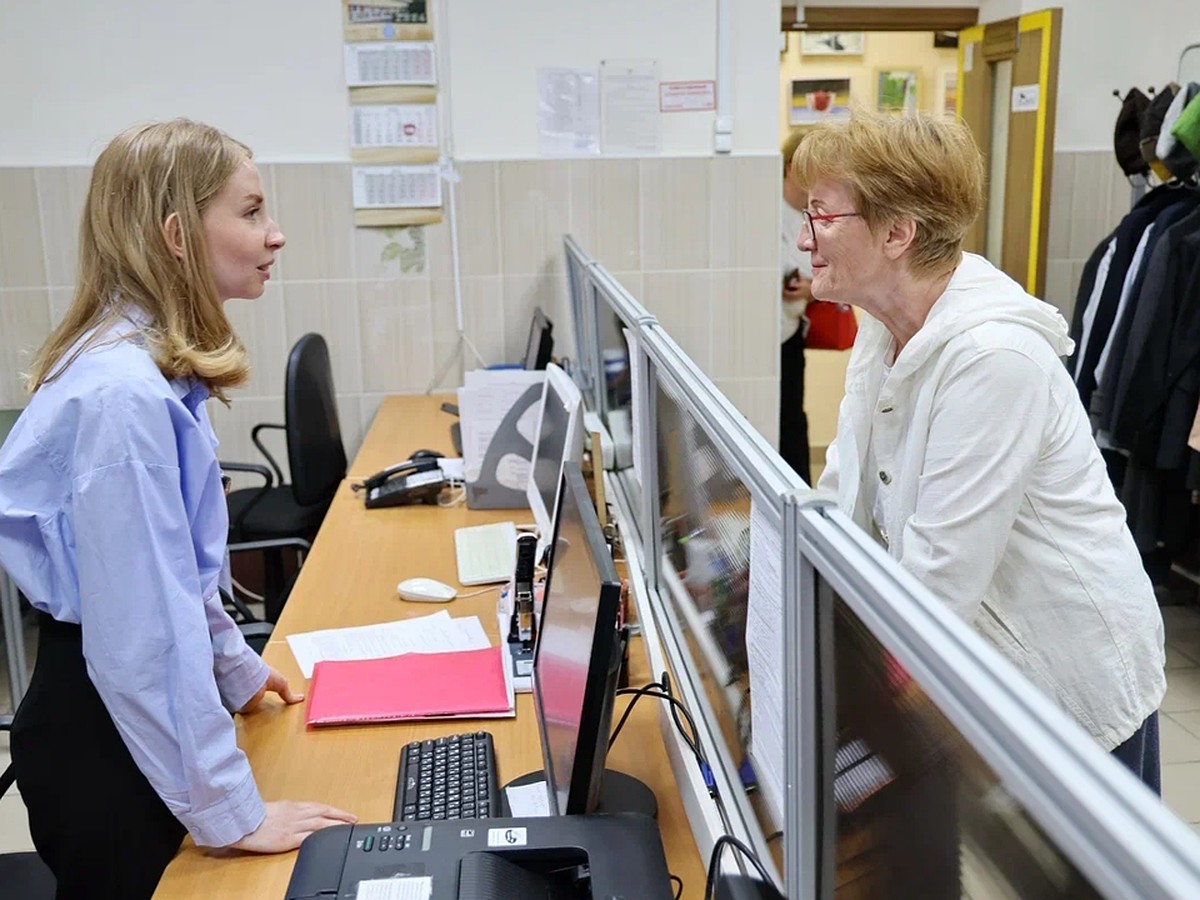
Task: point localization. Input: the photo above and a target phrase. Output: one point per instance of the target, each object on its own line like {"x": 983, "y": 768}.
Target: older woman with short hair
{"x": 961, "y": 443}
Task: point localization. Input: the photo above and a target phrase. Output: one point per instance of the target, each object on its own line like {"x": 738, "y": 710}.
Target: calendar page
{"x": 381, "y": 187}
{"x": 390, "y": 62}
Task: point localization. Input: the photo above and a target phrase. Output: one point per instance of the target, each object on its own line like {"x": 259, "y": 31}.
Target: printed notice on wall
{"x": 630, "y": 122}
{"x": 1025, "y": 98}
{"x": 400, "y": 125}
{"x": 390, "y": 62}
{"x": 382, "y": 187}
{"x": 764, "y": 651}
{"x": 687, "y": 96}
{"x": 568, "y": 112}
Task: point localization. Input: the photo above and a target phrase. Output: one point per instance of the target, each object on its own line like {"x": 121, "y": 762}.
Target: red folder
{"x": 412, "y": 685}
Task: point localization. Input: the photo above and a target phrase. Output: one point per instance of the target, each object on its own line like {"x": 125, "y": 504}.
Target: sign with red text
{"x": 686, "y": 96}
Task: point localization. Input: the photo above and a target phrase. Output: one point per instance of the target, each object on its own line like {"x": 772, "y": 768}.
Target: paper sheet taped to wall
{"x": 379, "y": 187}
{"x": 390, "y": 62}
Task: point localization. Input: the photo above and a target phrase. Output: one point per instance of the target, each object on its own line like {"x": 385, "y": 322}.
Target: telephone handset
{"x": 417, "y": 480}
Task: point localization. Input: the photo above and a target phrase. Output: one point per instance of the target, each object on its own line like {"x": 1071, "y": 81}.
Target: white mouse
{"x": 425, "y": 590}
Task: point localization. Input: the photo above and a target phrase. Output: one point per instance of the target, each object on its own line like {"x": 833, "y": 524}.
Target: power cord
{"x": 714, "y": 863}
{"x": 661, "y": 690}
{"x": 678, "y": 882}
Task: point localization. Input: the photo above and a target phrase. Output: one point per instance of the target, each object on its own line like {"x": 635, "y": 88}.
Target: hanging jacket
{"x": 993, "y": 494}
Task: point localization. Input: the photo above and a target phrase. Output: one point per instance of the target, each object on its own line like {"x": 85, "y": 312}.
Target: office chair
{"x": 276, "y": 514}
{"x": 23, "y": 875}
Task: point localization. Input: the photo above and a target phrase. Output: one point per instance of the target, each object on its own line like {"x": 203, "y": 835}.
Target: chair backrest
{"x": 314, "y": 436}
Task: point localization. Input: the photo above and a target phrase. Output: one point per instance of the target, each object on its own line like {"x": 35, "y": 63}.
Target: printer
{"x": 597, "y": 857}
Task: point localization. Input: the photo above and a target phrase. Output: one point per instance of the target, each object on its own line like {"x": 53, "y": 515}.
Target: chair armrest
{"x": 256, "y": 629}
{"x": 263, "y": 450}
{"x": 253, "y": 469}
{"x": 298, "y": 543}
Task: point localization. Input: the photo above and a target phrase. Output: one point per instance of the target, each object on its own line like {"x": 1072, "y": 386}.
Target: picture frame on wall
{"x": 831, "y": 43}
{"x": 816, "y": 100}
{"x": 896, "y": 90}
{"x": 947, "y": 92}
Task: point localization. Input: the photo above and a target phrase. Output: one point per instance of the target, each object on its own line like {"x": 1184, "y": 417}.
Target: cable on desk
{"x": 656, "y": 690}
{"x": 678, "y": 882}
{"x": 490, "y": 587}
{"x": 714, "y": 863}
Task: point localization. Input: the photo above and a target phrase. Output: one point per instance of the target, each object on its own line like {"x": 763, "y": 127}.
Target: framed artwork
{"x": 817, "y": 100}
{"x": 896, "y": 90}
{"x": 831, "y": 43}
{"x": 947, "y": 92}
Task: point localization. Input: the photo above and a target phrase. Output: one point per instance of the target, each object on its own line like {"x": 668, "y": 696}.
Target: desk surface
{"x": 350, "y": 578}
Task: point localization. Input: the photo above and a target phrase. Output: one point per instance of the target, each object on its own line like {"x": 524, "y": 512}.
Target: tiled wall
{"x": 1089, "y": 195}
{"x": 694, "y": 239}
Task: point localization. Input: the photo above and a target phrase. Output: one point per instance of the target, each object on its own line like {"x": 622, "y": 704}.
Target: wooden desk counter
{"x": 350, "y": 578}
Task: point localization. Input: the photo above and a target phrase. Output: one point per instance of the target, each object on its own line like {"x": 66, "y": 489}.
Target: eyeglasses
{"x": 811, "y": 218}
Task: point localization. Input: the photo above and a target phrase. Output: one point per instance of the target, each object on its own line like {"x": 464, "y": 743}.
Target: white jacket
{"x": 994, "y": 494}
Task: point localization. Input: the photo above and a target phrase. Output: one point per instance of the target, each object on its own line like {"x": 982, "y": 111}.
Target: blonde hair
{"x": 143, "y": 176}
{"x": 921, "y": 167}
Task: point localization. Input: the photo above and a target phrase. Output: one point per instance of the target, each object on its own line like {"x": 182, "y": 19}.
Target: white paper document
{"x": 390, "y": 62}
{"x": 483, "y": 401}
{"x": 393, "y": 125}
{"x": 637, "y": 376}
{"x": 568, "y": 112}
{"x": 528, "y": 800}
{"x": 404, "y": 887}
{"x": 764, "y": 649}
{"x": 385, "y": 187}
{"x": 436, "y": 633}
{"x": 629, "y": 118}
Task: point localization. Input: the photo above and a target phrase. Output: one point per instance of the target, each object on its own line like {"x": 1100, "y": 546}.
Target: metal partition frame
{"x": 1111, "y": 828}
{"x": 1105, "y": 822}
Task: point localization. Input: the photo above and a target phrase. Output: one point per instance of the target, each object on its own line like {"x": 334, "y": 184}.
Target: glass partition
{"x": 944, "y": 773}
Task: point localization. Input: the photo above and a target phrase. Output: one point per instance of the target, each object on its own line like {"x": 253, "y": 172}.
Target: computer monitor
{"x": 559, "y": 438}
{"x": 541, "y": 341}
{"x": 577, "y": 664}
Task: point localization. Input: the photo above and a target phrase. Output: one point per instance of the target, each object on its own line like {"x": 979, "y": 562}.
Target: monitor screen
{"x": 578, "y": 653}
{"x": 559, "y": 438}
{"x": 540, "y": 345}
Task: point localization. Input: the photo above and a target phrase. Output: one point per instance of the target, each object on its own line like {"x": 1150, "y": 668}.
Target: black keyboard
{"x": 452, "y": 777}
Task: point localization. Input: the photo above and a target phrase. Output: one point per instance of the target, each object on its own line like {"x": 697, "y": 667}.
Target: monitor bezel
{"x": 541, "y": 333}
{"x": 567, "y": 393}
{"x": 595, "y": 716}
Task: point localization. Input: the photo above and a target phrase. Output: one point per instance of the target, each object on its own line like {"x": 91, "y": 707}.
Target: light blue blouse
{"x": 112, "y": 515}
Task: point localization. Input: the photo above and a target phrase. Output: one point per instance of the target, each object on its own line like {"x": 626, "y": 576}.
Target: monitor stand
{"x": 619, "y": 793}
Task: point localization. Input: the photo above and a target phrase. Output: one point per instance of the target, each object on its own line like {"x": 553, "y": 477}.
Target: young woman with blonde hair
{"x": 113, "y": 523}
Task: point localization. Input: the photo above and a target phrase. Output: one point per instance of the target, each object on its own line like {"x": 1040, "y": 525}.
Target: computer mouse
{"x": 425, "y": 590}
{"x": 426, "y": 454}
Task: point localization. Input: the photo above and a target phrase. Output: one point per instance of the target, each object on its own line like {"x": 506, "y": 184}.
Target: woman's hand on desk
{"x": 288, "y": 823}
{"x": 277, "y": 683}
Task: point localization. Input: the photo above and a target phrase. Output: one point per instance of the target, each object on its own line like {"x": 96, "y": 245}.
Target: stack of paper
{"x": 483, "y": 401}
{"x": 436, "y": 633}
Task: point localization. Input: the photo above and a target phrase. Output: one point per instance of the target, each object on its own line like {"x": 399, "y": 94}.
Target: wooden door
{"x": 1024, "y": 50}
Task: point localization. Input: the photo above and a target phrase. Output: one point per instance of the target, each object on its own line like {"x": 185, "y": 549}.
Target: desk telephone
{"x": 418, "y": 479}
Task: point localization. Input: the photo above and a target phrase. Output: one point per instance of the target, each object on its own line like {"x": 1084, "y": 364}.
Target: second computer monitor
{"x": 578, "y": 653}
{"x": 540, "y": 345}
{"x": 559, "y": 438}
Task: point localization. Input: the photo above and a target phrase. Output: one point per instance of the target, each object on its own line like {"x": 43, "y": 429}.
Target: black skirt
{"x": 94, "y": 818}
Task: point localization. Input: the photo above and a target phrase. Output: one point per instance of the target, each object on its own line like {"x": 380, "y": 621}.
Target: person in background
{"x": 113, "y": 522}
{"x": 961, "y": 443}
{"x": 796, "y": 291}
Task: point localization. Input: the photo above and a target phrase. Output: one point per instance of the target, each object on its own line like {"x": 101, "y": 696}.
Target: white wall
{"x": 270, "y": 71}
{"x": 75, "y": 72}
{"x": 1112, "y": 45}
